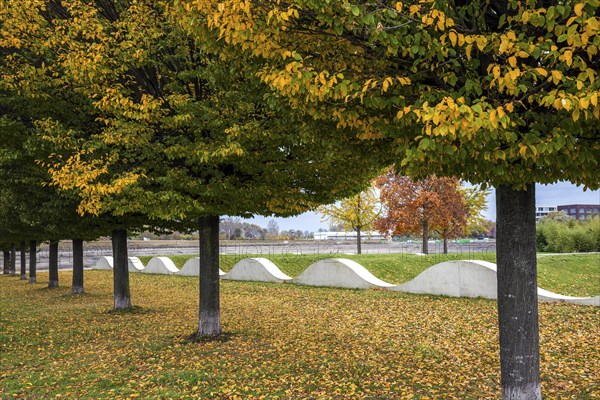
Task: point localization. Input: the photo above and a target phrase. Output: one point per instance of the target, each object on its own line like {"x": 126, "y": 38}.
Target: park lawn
{"x": 281, "y": 341}
{"x": 572, "y": 275}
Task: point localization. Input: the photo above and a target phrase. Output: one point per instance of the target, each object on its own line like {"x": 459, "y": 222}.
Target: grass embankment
{"x": 284, "y": 341}
{"x": 573, "y": 275}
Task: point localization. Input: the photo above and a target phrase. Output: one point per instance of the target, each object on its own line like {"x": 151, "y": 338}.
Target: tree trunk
{"x": 13, "y": 259}
{"x": 23, "y": 261}
{"x": 53, "y": 265}
{"x": 6, "y": 262}
{"x": 77, "y": 285}
{"x": 517, "y": 293}
{"x": 32, "y": 261}
{"x": 120, "y": 270}
{"x": 445, "y": 237}
{"x": 210, "y": 310}
{"x": 425, "y": 247}
{"x": 358, "y": 244}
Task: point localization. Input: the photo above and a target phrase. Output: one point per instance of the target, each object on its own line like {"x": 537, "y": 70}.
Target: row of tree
{"x": 115, "y": 119}
{"x": 149, "y": 112}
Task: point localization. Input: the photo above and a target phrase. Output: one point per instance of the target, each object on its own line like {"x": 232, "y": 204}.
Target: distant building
{"x": 580, "y": 211}
{"x": 542, "y": 211}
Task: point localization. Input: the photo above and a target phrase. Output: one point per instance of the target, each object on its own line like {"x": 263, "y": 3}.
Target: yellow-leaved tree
{"x": 356, "y": 213}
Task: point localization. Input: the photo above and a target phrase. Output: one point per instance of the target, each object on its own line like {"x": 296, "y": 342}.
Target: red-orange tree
{"x": 418, "y": 206}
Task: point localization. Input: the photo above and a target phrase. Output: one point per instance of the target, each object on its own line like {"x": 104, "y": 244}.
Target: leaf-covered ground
{"x": 283, "y": 341}
{"x": 572, "y": 275}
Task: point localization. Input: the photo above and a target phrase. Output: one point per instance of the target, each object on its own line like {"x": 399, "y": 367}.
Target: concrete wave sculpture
{"x": 192, "y": 268}
{"x": 450, "y": 278}
{"x": 256, "y": 269}
{"x": 135, "y": 265}
{"x": 104, "y": 262}
{"x": 161, "y": 265}
{"x": 547, "y": 296}
{"x": 473, "y": 279}
{"x": 339, "y": 272}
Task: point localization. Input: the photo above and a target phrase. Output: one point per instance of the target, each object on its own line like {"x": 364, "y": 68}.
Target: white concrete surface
{"x": 192, "y": 268}
{"x": 546, "y": 296}
{"x": 455, "y": 278}
{"x": 135, "y": 265}
{"x": 339, "y": 272}
{"x": 160, "y": 265}
{"x": 105, "y": 262}
{"x": 474, "y": 279}
{"x": 256, "y": 269}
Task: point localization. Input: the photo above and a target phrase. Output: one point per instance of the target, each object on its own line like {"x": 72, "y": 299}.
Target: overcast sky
{"x": 561, "y": 193}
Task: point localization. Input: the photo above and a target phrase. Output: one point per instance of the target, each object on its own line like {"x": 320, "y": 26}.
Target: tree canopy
{"x": 498, "y": 92}
{"x": 181, "y": 125}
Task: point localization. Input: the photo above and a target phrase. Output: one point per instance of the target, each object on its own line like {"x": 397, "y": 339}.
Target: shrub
{"x": 568, "y": 236}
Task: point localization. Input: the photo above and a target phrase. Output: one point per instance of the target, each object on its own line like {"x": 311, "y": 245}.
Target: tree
{"x": 356, "y": 213}
{"x": 559, "y": 216}
{"x": 475, "y": 199}
{"x": 273, "y": 228}
{"x": 502, "y": 93}
{"x": 421, "y": 206}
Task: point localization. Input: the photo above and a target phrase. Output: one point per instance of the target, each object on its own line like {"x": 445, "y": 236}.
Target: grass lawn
{"x": 282, "y": 341}
{"x": 572, "y": 275}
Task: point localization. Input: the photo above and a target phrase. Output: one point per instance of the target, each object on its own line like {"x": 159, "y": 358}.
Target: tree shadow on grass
{"x": 223, "y": 337}
{"x": 133, "y": 310}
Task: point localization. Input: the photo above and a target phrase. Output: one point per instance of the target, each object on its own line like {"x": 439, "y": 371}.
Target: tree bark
{"x": 120, "y": 270}
{"x": 13, "y": 259}
{"x": 6, "y": 262}
{"x": 23, "y": 261}
{"x": 358, "y": 244}
{"x": 53, "y": 265}
{"x": 77, "y": 285}
{"x": 425, "y": 246}
{"x": 209, "y": 324}
{"x": 32, "y": 261}
{"x": 517, "y": 293}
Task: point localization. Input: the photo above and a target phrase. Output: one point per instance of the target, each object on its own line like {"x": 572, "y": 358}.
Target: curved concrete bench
{"x": 339, "y": 272}
{"x": 135, "y": 265}
{"x": 105, "y": 262}
{"x": 160, "y": 265}
{"x": 256, "y": 269}
{"x": 473, "y": 279}
{"x": 192, "y": 268}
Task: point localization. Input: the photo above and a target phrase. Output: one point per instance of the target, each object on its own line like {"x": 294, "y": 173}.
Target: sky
{"x": 560, "y": 193}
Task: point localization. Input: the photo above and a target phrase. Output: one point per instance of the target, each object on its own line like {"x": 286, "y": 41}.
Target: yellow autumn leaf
{"x": 556, "y": 77}
{"x": 568, "y": 55}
